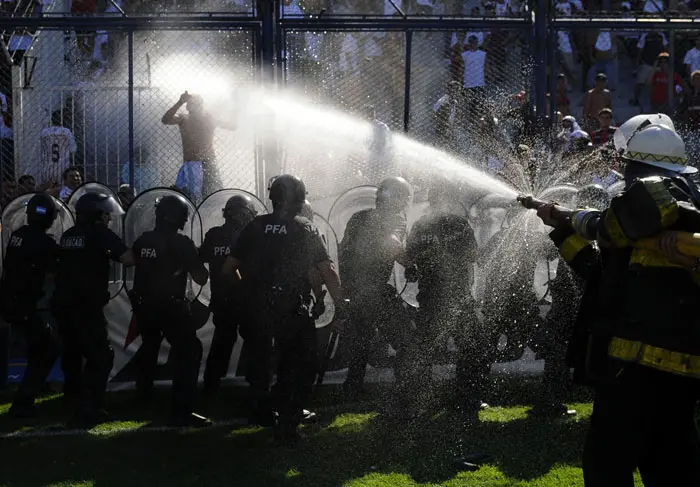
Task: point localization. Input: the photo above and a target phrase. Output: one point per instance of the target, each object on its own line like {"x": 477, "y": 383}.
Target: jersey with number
{"x": 57, "y": 144}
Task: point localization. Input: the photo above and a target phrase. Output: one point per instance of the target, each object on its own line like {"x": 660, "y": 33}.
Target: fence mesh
{"x": 462, "y": 82}
{"x": 67, "y": 104}
{"x": 358, "y": 73}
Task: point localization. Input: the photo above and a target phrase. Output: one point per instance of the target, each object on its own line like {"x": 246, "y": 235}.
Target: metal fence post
{"x": 132, "y": 161}
{"x": 407, "y": 82}
{"x": 671, "y": 70}
{"x": 541, "y": 59}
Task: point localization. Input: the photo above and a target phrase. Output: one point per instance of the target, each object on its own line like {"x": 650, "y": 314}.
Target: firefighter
{"x": 643, "y": 344}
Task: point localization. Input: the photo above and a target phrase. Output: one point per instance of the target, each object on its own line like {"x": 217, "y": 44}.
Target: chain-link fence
{"x": 67, "y": 97}
{"x": 68, "y": 103}
{"x": 453, "y": 86}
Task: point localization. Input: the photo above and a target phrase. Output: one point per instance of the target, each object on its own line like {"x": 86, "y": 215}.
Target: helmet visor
{"x": 111, "y": 206}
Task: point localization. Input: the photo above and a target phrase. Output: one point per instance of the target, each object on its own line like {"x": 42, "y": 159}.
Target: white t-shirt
{"x": 604, "y": 42}
{"x": 57, "y": 144}
{"x": 348, "y": 55}
{"x": 474, "y": 68}
{"x": 692, "y": 57}
{"x": 565, "y": 42}
{"x": 653, "y": 6}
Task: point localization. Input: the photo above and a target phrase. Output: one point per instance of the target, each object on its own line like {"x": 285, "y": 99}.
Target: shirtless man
{"x": 198, "y": 172}
{"x": 596, "y": 99}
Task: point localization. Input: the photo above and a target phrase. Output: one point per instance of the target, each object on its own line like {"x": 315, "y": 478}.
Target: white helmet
{"x": 627, "y": 129}
{"x": 659, "y": 146}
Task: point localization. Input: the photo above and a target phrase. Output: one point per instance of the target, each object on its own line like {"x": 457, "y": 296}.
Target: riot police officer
{"x": 443, "y": 249}
{"x": 643, "y": 350}
{"x": 274, "y": 255}
{"x": 228, "y": 301}
{"x": 373, "y": 241}
{"x": 31, "y": 255}
{"x": 80, "y": 296}
{"x": 163, "y": 259}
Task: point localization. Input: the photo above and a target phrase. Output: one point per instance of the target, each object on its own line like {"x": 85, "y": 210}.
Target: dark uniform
{"x": 443, "y": 248}
{"x": 559, "y": 340}
{"x": 276, "y": 253}
{"x": 228, "y": 300}
{"x": 366, "y": 257}
{"x": 31, "y": 254}
{"x": 163, "y": 259}
{"x": 644, "y": 347}
{"x": 81, "y": 293}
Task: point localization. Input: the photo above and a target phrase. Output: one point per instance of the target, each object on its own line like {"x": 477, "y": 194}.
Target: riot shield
{"x": 211, "y": 213}
{"x": 14, "y": 216}
{"x": 347, "y": 204}
{"x": 116, "y": 271}
{"x": 141, "y": 217}
{"x": 331, "y": 241}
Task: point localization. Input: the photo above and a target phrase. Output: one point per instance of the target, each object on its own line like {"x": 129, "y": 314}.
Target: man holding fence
{"x": 198, "y": 176}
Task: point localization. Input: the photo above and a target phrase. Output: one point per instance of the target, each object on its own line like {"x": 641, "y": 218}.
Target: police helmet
{"x": 394, "y": 193}
{"x": 173, "y": 210}
{"x": 91, "y": 206}
{"x": 239, "y": 208}
{"x": 287, "y": 192}
{"x": 593, "y": 196}
{"x": 306, "y": 210}
{"x": 41, "y": 211}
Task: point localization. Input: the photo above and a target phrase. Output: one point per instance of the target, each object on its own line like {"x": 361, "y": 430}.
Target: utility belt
{"x": 280, "y": 301}
{"x": 138, "y": 302}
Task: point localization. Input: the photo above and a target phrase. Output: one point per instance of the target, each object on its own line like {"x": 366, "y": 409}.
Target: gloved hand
{"x": 319, "y": 306}
{"x": 411, "y": 274}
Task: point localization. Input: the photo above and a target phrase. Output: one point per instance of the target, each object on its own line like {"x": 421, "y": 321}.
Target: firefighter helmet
{"x": 658, "y": 146}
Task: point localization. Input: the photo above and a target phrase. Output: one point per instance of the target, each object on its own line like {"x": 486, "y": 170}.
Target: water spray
{"x": 686, "y": 243}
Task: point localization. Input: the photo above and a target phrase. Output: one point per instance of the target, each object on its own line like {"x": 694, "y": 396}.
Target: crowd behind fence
{"x": 67, "y": 99}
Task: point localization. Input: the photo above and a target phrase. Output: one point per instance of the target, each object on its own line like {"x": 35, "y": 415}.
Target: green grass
{"x": 354, "y": 446}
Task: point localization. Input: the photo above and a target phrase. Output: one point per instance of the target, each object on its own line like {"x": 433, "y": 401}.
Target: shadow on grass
{"x": 351, "y": 443}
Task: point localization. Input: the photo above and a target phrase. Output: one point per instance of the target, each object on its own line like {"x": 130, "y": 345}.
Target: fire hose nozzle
{"x": 529, "y": 202}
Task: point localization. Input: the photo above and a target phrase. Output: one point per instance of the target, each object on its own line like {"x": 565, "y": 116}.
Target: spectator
{"x": 689, "y": 109}
{"x": 85, "y": 38}
{"x": 26, "y": 184}
{"x": 562, "y": 98}
{"x": 447, "y": 116}
{"x": 72, "y": 178}
{"x": 474, "y": 75}
{"x": 58, "y": 147}
{"x": 604, "y": 55}
{"x": 659, "y": 84}
{"x": 566, "y": 54}
{"x": 570, "y": 132}
{"x": 596, "y": 99}
{"x": 650, "y": 45}
{"x": 605, "y": 131}
{"x": 692, "y": 58}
